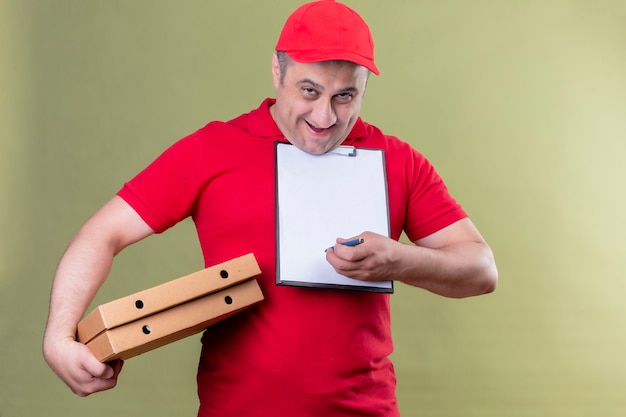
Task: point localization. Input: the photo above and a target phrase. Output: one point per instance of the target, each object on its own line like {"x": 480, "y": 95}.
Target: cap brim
{"x": 310, "y": 56}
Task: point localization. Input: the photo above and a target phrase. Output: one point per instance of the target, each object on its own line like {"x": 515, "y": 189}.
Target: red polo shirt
{"x": 302, "y": 351}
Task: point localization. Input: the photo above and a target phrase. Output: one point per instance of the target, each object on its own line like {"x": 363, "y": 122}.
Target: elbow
{"x": 478, "y": 283}
{"x": 483, "y": 280}
{"x": 481, "y": 284}
{"x": 482, "y": 277}
{"x": 489, "y": 277}
{"x": 490, "y": 281}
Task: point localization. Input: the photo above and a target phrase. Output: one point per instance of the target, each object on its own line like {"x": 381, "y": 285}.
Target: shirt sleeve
{"x": 165, "y": 192}
{"x": 430, "y": 206}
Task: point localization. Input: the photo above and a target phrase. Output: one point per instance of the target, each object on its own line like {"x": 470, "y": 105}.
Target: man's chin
{"x": 313, "y": 148}
{"x": 315, "y": 151}
{"x": 322, "y": 148}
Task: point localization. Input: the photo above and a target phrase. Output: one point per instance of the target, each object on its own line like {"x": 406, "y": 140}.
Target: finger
{"x": 350, "y": 253}
{"x": 111, "y": 369}
{"x": 117, "y": 366}
{"x": 351, "y": 241}
{"x": 98, "y": 369}
{"x": 102, "y": 378}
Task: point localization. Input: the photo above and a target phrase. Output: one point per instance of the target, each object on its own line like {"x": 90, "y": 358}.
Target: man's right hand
{"x": 74, "y": 363}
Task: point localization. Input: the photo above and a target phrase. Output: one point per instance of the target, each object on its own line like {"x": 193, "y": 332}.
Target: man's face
{"x": 318, "y": 104}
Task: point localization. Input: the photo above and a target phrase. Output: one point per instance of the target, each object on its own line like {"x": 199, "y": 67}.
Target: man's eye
{"x": 344, "y": 97}
{"x": 308, "y": 91}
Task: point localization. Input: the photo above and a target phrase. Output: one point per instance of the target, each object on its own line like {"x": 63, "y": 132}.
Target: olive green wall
{"x": 520, "y": 104}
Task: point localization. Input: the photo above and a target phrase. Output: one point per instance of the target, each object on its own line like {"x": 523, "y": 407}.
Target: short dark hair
{"x": 284, "y": 61}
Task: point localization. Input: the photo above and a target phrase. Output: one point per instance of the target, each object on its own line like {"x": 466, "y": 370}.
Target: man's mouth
{"x": 317, "y": 129}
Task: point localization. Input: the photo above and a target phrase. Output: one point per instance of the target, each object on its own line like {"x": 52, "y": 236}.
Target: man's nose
{"x": 323, "y": 114}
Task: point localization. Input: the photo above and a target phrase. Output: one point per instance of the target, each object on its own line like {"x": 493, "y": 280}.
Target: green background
{"x": 521, "y": 105}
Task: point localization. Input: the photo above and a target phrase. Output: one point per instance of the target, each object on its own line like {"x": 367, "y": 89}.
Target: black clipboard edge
{"x": 362, "y": 288}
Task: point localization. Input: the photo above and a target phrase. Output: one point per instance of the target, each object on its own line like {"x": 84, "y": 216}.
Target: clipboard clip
{"x": 344, "y": 150}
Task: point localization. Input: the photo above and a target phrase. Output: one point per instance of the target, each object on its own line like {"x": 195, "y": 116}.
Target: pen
{"x": 352, "y": 242}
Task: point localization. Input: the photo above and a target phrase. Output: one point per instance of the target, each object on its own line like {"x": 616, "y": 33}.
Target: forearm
{"x": 83, "y": 268}
{"x": 81, "y": 271}
{"x": 458, "y": 270}
{"x": 87, "y": 261}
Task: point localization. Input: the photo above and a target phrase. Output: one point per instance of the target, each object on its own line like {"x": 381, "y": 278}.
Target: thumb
{"x": 105, "y": 372}
{"x": 116, "y": 365}
{"x": 112, "y": 369}
{"x": 99, "y": 369}
{"x": 108, "y": 372}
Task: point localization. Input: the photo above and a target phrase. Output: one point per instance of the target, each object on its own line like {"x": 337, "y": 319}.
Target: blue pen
{"x": 352, "y": 242}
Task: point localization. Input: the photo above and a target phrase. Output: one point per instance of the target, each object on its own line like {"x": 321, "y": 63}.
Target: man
{"x": 303, "y": 351}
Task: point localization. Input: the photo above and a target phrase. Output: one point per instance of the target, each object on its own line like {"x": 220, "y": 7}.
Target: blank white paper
{"x": 320, "y": 198}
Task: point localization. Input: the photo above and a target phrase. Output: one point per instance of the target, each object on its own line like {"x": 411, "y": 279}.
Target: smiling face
{"x": 317, "y": 104}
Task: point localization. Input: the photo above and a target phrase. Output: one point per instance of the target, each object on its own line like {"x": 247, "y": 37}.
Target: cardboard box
{"x": 161, "y": 297}
{"x": 175, "y": 323}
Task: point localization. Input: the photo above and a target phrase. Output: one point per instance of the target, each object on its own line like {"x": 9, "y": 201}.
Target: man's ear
{"x": 275, "y": 70}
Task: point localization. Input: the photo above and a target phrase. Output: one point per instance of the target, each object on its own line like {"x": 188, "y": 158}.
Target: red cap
{"x": 327, "y": 30}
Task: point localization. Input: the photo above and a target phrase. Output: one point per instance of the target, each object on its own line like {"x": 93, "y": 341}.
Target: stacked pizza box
{"x": 151, "y": 318}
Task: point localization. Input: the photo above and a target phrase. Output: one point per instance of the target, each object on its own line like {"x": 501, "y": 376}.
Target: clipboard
{"x": 321, "y": 197}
